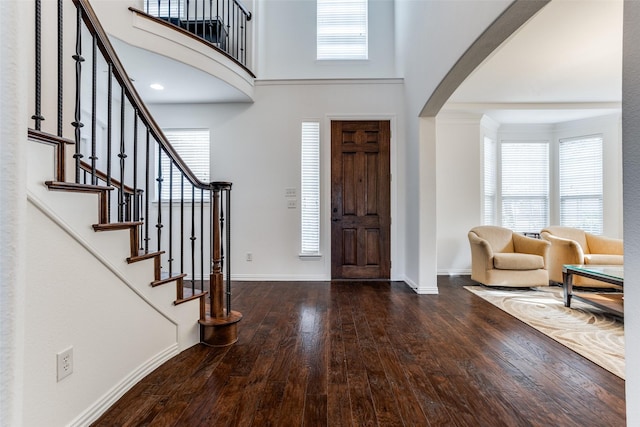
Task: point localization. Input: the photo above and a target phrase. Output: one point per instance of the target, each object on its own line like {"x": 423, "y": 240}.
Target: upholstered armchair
{"x": 500, "y": 257}
{"x": 574, "y": 246}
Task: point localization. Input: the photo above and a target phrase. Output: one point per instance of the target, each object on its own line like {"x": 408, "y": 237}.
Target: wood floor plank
{"x": 374, "y": 354}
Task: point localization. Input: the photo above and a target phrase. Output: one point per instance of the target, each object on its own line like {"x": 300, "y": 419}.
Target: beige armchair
{"x": 500, "y": 257}
{"x": 574, "y": 246}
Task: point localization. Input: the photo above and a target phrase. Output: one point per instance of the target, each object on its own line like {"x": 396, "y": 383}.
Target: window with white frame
{"x": 489, "y": 183}
{"x": 310, "y": 188}
{"x": 524, "y": 185}
{"x": 342, "y": 29}
{"x": 192, "y": 145}
{"x": 164, "y": 8}
{"x": 580, "y": 179}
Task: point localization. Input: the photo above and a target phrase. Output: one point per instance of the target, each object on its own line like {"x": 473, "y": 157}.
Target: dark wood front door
{"x": 360, "y": 200}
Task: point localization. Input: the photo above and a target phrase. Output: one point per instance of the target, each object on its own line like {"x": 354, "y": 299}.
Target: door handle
{"x": 335, "y": 219}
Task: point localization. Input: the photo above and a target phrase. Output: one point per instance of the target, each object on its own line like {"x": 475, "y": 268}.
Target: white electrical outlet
{"x": 249, "y": 256}
{"x": 292, "y": 204}
{"x": 290, "y": 192}
{"x": 65, "y": 363}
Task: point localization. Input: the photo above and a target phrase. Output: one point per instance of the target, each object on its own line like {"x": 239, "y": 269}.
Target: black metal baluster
{"x": 38, "y": 76}
{"x": 146, "y": 197}
{"x": 182, "y": 270}
{"x": 94, "y": 96}
{"x": 159, "y": 180}
{"x": 60, "y": 71}
{"x": 204, "y": 34}
{"x": 122, "y": 155}
{"x": 136, "y": 207}
{"x": 188, "y": 11}
{"x": 193, "y": 238}
{"x": 243, "y": 40}
{"x": 225, "y": 20}
{"x": 236, "y": 25}
{"x": 224, "y": 201}
{"x": 170, "y": 261}
{"x": 77, "y": 124}
{"x": 201, "y": 239}
{"x": 109, "y": 131}
{"x": 218, "y": 24}
{"x": 211, "y": 21}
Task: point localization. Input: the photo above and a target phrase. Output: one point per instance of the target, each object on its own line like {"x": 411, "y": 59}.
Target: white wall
{"x": 459, "y": 177}
{"x": 459, "y": 185}
{"x": 73, "y": 300}
{"x": 80, "y": 292}
{"x": 286, "y": 43}
{"x": 426, "y": 50}
{"x": 257, "y": 148}
{"x": 631, "y": 159}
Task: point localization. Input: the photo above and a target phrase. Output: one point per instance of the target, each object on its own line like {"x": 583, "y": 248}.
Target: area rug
{"x": 583, "y": 328}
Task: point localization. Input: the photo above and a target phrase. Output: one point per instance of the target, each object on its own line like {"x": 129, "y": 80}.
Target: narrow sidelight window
{"x": 310, "y": 193}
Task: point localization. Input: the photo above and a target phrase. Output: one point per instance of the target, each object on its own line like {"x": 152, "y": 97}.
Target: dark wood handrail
{"x": 105, "y": 46}
{"x": 103, "y": 177}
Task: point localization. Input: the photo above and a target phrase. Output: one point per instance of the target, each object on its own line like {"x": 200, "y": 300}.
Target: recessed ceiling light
{"x": 157, "y": 86}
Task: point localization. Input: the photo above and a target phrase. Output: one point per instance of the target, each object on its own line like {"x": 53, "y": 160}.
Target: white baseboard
{"x": 455, "y": 272}
{"x": 93, "y": 412}
{"x": 280, "y": 278}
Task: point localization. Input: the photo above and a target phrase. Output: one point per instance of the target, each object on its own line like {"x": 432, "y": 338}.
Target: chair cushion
{"x": 603, "y": 259}
{"x": 515, "y": 261}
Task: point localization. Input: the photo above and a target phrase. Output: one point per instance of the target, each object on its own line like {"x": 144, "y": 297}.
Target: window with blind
{"x": 310, "y": 188}
{"x": 580, "y": 176}
{"x": 524, "y": 185}
{"x": 164, "y": 8}
{"x": 489, "y": 183}
{"x": 192, "y": 146}
{"x": 342, "y": 29}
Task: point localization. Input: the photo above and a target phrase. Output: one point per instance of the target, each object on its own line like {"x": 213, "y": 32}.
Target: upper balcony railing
{"x": 223, "y": 23}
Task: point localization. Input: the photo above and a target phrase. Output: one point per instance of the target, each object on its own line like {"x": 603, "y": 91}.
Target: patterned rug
{"x": 583, "y": 328}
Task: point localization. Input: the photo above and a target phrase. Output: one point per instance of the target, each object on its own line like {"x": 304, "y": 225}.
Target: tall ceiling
{"x": 565, "y": 63}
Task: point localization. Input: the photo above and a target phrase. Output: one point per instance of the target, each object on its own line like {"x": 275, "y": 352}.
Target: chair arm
{"x": 481, "y": 252}
{"x": 565, "y": 251}
{"x": 605, "y": 245}
{"x": 529, "y": 245}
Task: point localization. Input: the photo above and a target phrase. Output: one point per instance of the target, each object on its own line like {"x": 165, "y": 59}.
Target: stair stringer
{"x": 76, "y": 213}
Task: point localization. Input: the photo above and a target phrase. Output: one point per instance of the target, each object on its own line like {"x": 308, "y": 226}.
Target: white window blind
{"x": 489, "y": 182}
{"x": 342, "y": 29}
{"x": 580, "y": 175}
{"x": 192, "y": 146}
{"x": 164, "y": 8}
{"x": 310, "y": 193}
{"x": 525, "y": 185}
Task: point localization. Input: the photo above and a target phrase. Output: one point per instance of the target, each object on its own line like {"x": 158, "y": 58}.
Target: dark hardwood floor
{"x": 374, "y": 354}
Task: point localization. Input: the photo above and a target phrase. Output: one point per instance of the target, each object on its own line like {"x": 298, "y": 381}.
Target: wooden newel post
{"x": 219, "y": 327}
{"x": 216, "y": 277}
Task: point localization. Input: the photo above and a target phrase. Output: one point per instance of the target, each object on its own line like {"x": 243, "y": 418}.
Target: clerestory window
{"x": 342, "y": 27}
